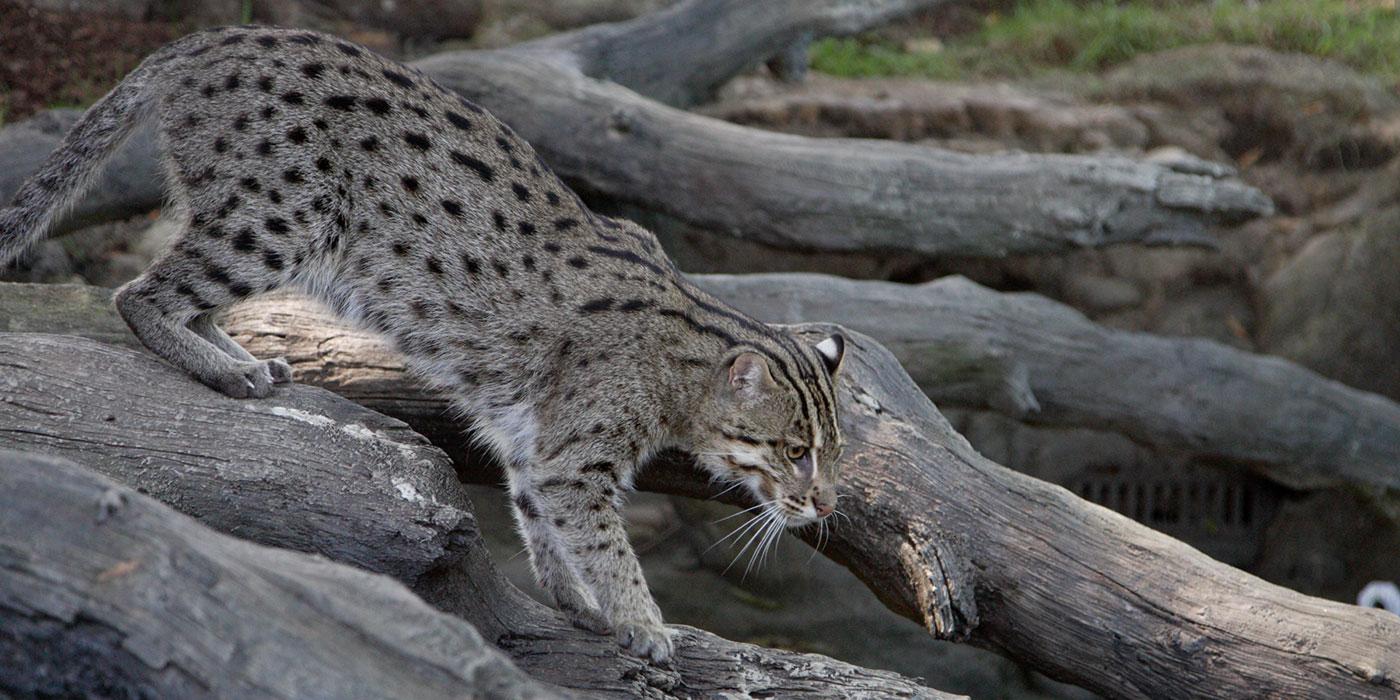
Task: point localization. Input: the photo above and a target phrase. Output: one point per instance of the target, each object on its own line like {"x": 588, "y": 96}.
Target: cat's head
{"x": 771, "y": 425}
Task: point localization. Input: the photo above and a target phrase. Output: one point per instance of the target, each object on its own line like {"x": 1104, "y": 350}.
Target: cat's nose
{"x": 824, "y": 500}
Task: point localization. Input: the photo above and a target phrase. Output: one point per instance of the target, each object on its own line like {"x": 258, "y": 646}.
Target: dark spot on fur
{"x": 323, "y": 164}
{"x": 579, "y": 262}
{"x": 293, "y": 98}
{"x": 522, "y": 192}
{"x": 499, "y": 220}
{"x": 452, "y": 207}
{"x": 246, "y": 241}
{"x": 459, "y": 120}
{"x": 264, "y": 147}
{"x": 409, "y": 183}
{"x": 277, "y": 225}
{"x": 272, "y": 259}
{"x": 292, "y": 176}
{"x": 232, "y": 82}
{"x": 400, "y": 248}
{"x": 595, "y": 306}
{"x": 296, "y": 134}
{"x": 313, "y": 70}
{"x": 417, "y": 141}
{"x": 470, "y": 264}
{"x": 369, "y": 143}
{"x": 433, "y": 265}
{"x": 265, "y": 83}
{"x": 564, "y": 224}
{"x": 502, "y": 269}
{"x": 398, "y": 78}
{"x": 344, "y": 103}
{"x": 347, "y": 49}
{"x": 250, "y": 184}
{"x": 267, "y": 41}
{"x": 378, "y": 105}
{"x": 220, "y": 145}
{"x": 483, "y": 170}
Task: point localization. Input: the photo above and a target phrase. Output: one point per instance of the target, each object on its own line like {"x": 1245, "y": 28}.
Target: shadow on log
{"x": 791, "y": 192}
{"x": 970, "y": 550}
{"x": 106, "y": 591}
{"x": 309, "y": 471}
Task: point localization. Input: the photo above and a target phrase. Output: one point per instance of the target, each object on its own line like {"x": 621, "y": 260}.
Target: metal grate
{"x": 1221, "y": 511}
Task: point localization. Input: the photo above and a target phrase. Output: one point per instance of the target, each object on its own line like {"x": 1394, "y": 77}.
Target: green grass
{"x": 1041, "y": 35}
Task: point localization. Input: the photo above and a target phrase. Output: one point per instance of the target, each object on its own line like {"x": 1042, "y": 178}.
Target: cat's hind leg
{"x": 168, "y": 306}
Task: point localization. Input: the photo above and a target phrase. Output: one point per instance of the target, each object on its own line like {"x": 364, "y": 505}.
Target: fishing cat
{"x": 569, "y": 340}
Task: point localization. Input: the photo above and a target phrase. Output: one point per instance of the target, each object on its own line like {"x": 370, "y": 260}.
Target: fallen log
{"x": 1288, "y": 423}
{"x": 1018, "y": 354}
{"x": 791, "y": 192}
{"x": 681, "y": 55}
{"x": 106, "y": 591}
{"x": 311, "y": 472}
{"x": 973, "y": 551}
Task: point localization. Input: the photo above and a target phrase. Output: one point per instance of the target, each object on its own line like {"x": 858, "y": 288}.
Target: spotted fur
{"x": 568, "y": 340}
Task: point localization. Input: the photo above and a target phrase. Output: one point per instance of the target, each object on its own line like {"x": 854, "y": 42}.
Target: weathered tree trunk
{"x": 309, "y": 471}
{"x": 1289, "y": 423}
{"x": 840, "y": 195}
{"x": 106, "y": 592}
{"x": 1019, "y": 354}
{"x": 681, "y": 55}
{"x": 974, "y": 551}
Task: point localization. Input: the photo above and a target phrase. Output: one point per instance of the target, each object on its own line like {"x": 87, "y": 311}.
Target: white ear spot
{"x": 832, "y": 349}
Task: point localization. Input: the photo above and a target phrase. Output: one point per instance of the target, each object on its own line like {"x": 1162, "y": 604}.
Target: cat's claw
{"x": 244, "y": 380}
{"x": 279, "y": 369}
{"x": 647, "y": 640}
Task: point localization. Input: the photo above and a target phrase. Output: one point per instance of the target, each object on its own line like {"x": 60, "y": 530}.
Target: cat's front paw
{"x": 649, "y": 640}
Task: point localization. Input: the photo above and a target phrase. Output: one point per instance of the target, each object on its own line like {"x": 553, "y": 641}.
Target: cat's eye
{"x": 796, "y": 452}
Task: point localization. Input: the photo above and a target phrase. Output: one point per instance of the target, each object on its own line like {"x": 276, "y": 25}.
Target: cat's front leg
{"x": 579, "y": 505}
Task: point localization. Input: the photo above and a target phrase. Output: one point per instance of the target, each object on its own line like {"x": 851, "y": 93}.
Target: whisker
{"x": 735, "y": 515}
{"x": 741, "y": 528}
{"x": 752, "y": 538}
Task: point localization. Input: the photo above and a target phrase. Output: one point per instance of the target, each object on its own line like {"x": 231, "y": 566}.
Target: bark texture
{"x": 106, "y": 591}
{"x": 792, "y": 192}
{"x": 308, "y": 471}
{"x": 973, "y": 551}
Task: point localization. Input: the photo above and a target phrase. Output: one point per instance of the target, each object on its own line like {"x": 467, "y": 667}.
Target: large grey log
{"x": 838, "y": 195}
{"x": 967, "y": 548}
{"x": 1290, "y": 423}
{"x": 682, "y": 54}
{"x": 309, "y": 471}
{"x": 1019, "y": 354}
{"x": 792, "y": 192}
{"x": 105, "y": 592}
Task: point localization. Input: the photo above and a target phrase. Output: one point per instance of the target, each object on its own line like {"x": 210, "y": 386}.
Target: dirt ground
{"x": 62, "y": 59}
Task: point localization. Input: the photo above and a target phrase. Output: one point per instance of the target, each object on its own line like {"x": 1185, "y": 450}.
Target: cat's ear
{"x": 832, "y": 350}
{"x": 749, "y": 377}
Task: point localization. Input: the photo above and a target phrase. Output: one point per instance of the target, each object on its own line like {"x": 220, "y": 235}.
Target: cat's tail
{"x": 70, "y": 169}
